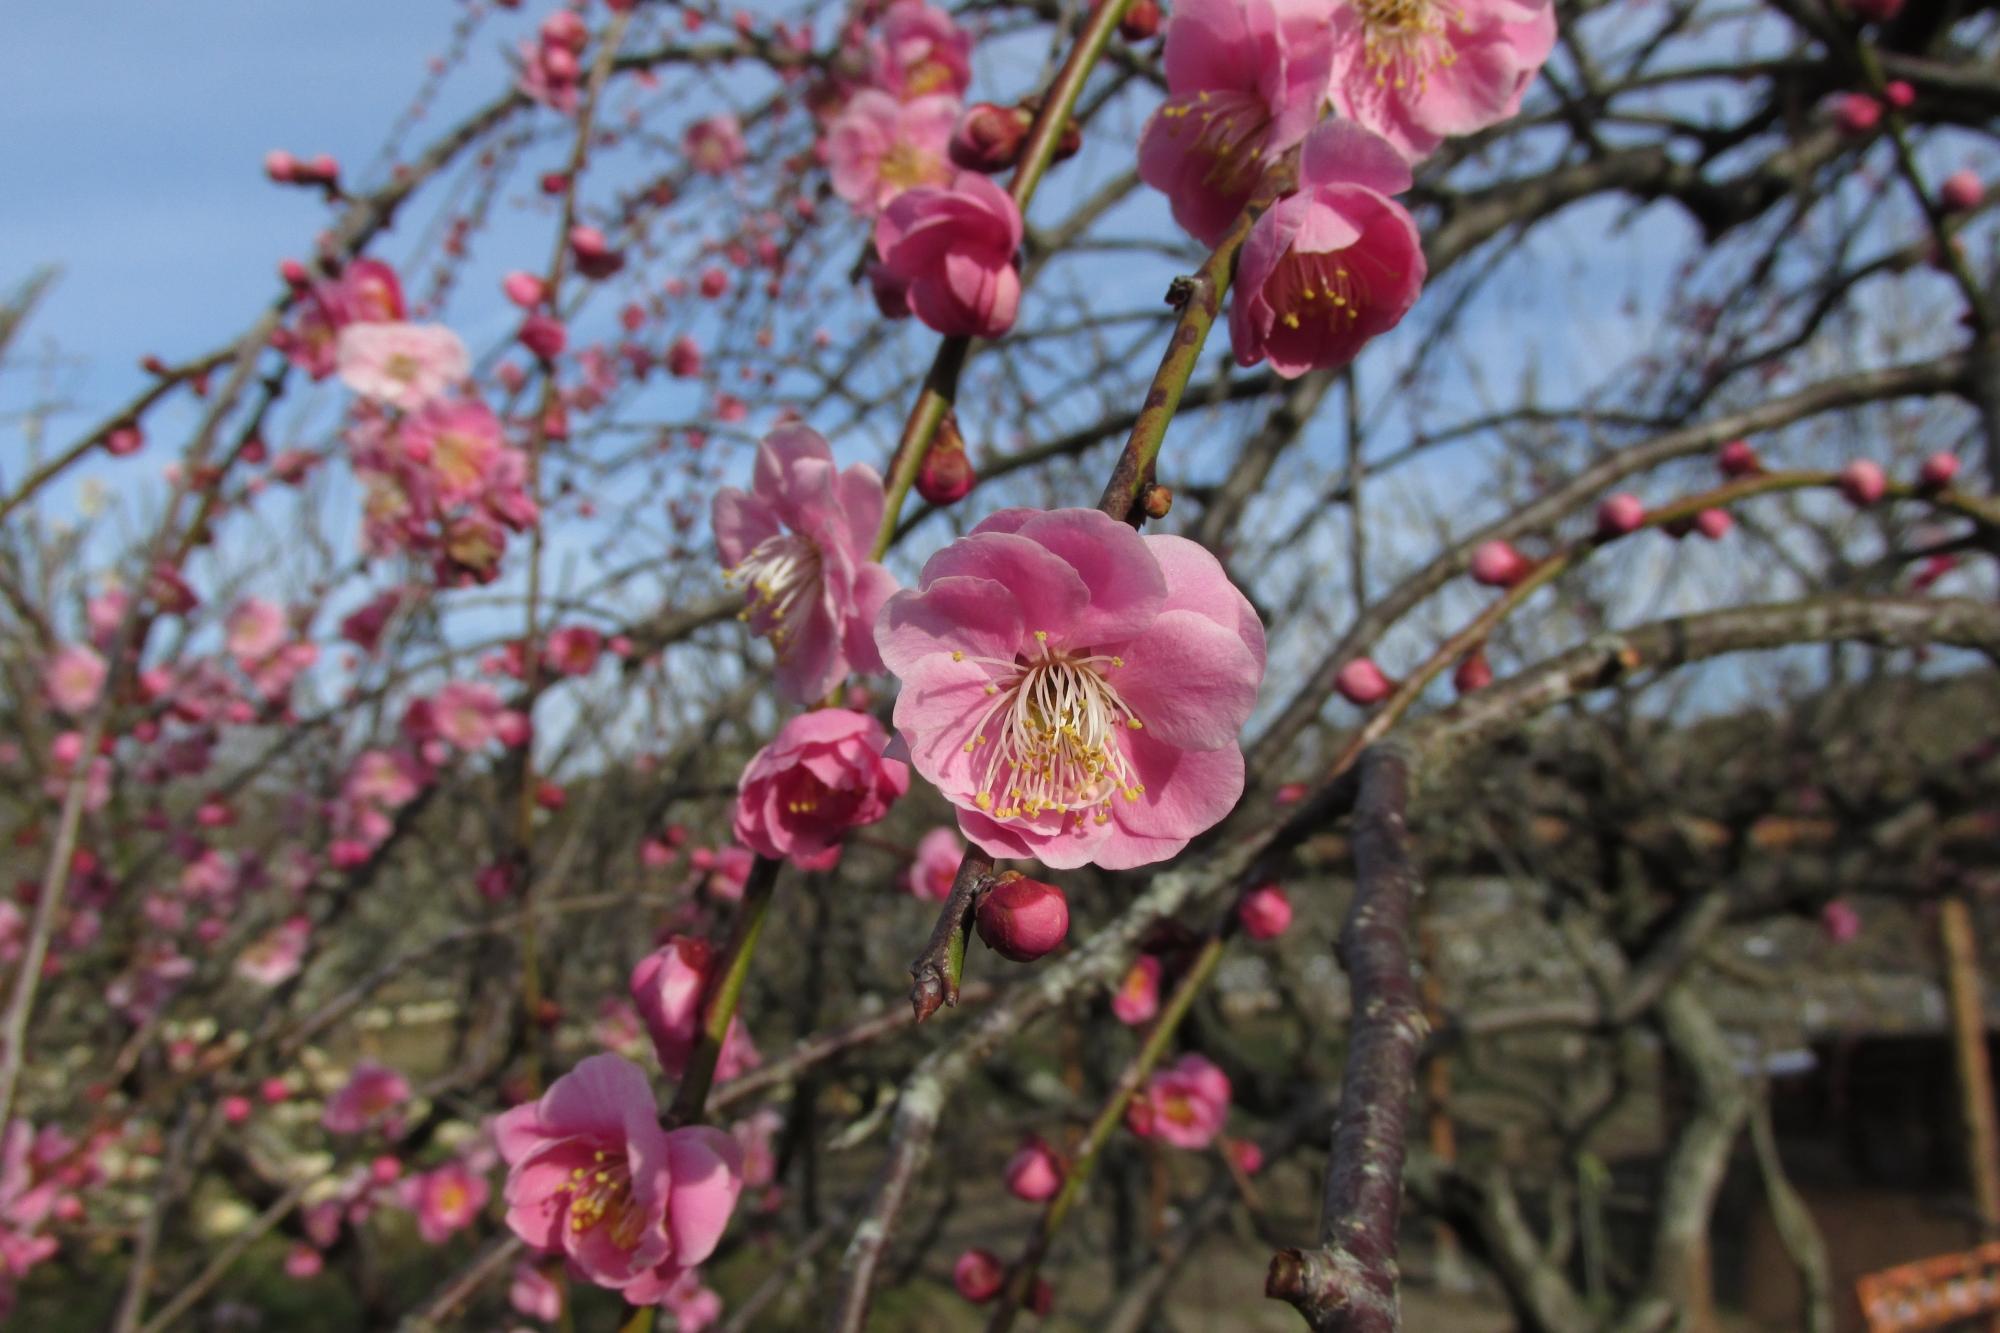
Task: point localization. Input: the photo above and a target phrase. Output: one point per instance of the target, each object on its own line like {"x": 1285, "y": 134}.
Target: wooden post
{"x": 1975, "y": 1073}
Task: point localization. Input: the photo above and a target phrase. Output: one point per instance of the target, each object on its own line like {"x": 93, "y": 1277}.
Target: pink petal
{"x": 1191, "y": 682}
{"x": 706, "y": 1166}
{"x": 1114, "y": 563}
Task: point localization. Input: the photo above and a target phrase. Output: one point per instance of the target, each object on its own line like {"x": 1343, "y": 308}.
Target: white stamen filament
{"x": 1406, "y": 39}
{"x": 1052, "y": 730}
{"x": 783, "y": 574}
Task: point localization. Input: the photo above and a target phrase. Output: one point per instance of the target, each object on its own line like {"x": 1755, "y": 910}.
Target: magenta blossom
{"x": 878, "y": 147}
{"x": 667, "y": 988}
{"x": 920, "y": 51}
{"x": 1188, "y": 1101}
{"x": 1137, "y": 998}
{"x": 930, "y": 875}
{"x": 533, "y": 1293}
{"x": 1328, "y": 268}
{"x": 715, "y": 145}
{"x": 823, "y": 774}
{"x": 1415, "y": 71}
{"x": 593, "y": 1176}
{"x": 798, "y": 541}
{"x": 371, "y": 1096}
{"x": 1074, "y": 689}
{"x": 952, "y": 247}
{"x": 446, "y": 1200}
{"x": 1245, "y": 81}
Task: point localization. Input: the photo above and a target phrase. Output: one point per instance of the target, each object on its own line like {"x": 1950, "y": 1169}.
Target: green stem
{"x": 725, "y": 990}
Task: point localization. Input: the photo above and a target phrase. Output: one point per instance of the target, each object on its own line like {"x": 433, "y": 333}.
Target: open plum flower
{"x": 1417, "y": 71}
{"x": 799, "y": 540}
{"x": 1332, "y": 266}
{"x": 1245, "y": 81}
{"x": 951, "y": 249}
{"x": 592, "y": 1176}
{"x": 822, "y": 774}
{"x": 879, "y": 147}
{"x": 1076, "y": 690}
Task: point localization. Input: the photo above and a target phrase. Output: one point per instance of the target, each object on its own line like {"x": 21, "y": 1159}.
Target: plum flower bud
{"x": 1034, "y": 1173}
{"x": 1141, "y": 22}
{"x": 1862, "y": 483}
{"x": 1899, "y": 94}
{"x": 1138, "y": 997}
{"x": 1839, "y": 921}
{"x": 1738, "y": 459}
{"x": 977, "y": 1276}
{"x": 594, "y": 256}
{"x": 524, "y": 289}
{"x": 1856, "y": 113}
{"x": 1961, "y": 191}
{"x": 124, "y": 440}
{"x": 1619, "y": 515}
{"x": 1361, "y": 682}
{"x": 1875, "y": 11}
{"x": 989, "y": 138}
{"x": 1474, "y": 673}
{"x": 1939, "y": 471}
{"x": 1266, "y": 912}
{"x": 543, "y": 335}
{"x": 281, "y": 166}
{"x": 1713, "y": 524}
{"x": 1021, "y": 919}
{"x": 684, "y": 358}
{"x": 1498, "y": 565}
{"x": 947, "y": 473}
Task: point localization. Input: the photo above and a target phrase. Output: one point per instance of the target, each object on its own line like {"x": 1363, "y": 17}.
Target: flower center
{"x": 1311, "y": 285}
{"x": 1229, "y": 128}
{"x": 903, "y": 166}
{"x": 783, "y": 576}
{"x": 1406, "y": 39}
{"x": 1177, "y": 1107}
{"x": 1051, "y": 737}
{"x": 604, "y": 1191}
{"x": 925, "y": 77}
{"x": 402, "y": 367}
{"x": 456, "y": 459}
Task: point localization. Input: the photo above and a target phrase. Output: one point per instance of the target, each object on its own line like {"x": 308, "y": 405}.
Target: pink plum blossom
{"x": 1034, "y": 1173}
{"x": 1332, "y": 266}
{"x": 367, "y": 291}
{"x": 930, "y": 875}
{"x": 1137, "y": 998}
{"x": 1245, "y": 81}
{"x": 370, "y": 1097}
{"x": 1416, "y": 71}
{"x": 1188, "y": 1101}
{"x": 533, "y": 1293}
{"x": 459, "y": 447}
{"x": 823, "y": 774}
{"x": 1076, "y": 690}
{"x": 879, "y": 147}
{"x": 693, "y": 1306}
{"x": 798, "y": 541}
{"x": 446, "y": 1200}
{"x": 74, "y": 678}
{"x": 402, "y": 365}
{"x": 465, "y": 713}
{"x": 274, "y": 958}
{"x": 920, "y": 51}
{"x": 715, "y": 145}
{"x": 591, "y": 1175}
{"x": 952, "y": 248}
{"x": 667, "y": 987}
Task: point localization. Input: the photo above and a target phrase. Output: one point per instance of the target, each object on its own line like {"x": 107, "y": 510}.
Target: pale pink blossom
{"x": 667, "y": 987}
{"x": 1416, "y": 71}
{"x": 533, "y": 1293}
{"x": 1245, "y": 82}
{"x": 799, "y": 542}
{"x": 879, "y": 147}
{"x": 26, "y": 1204}
{"x": 715, "y": 145}
{"x": 930, "y": 875}
{"x": 367, "y": 291}
{"x": 390, "y": 779}
{"x": 402, "y": 365}
{"x": 823, "y": 774}
{"x": 1076, "y": 690}
{"x": 693, "y": 1306}
{"x": 465, "y": 713}
{"x": 370, "y": 1097}
{"x": 755, "y": 1135}
{"x": 920, "y": 51}
{"x": 256, "y": 629}
{"x": 952, "y": 247}
{"x": 591, "y": 1175}
{"x": 275, "y": 956}
{"x": 1137, "y": 998}
{"x": 1332, "y": 266}
{"x": 74, "y": 678}
{"x": 1188, "y": 1101}
{"x": 573, "y": 650}
{"x": 446, "y": 1200}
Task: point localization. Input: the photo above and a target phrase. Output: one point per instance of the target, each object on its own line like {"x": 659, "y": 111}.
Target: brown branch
{"x": 1349, "y": 1282}
{"x": 939, "y": 967}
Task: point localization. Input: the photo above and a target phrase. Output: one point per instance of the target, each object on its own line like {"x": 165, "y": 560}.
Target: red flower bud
{"x": 1266, "y": 912}
{"x": 281, "y": 166}
{"x": 1899, "y": 94}
{"x": 1714, "y": 524}
{"x": 1362, "y": 682}
{"x": 977, "y": 1275}
{"x": 1857, "y": 113}
{"x": 543, "y": 335}
{"x": 1034, "y": 1173}
{"x": 124, "y": 440}
{"x": 1021, "y": 919}
{"x": 1141, "y": 22}
{"x": 989, "y": 137}
{"x": 1961, "y": 192}
{"x": 1498, "y": 565}
{"x": 1738, "y": 459}
{"x": 1618, "y": 515}
{"x": 1862, "y": 483}
{"x": 1473, "y": 673}
{"x": 524, "y": 289}
{"x": 1938, "y": 472}
{"x": 594, "y": 256}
